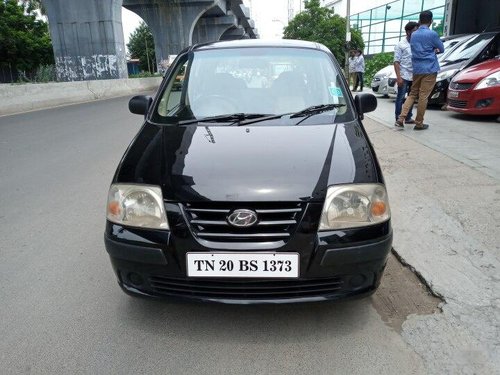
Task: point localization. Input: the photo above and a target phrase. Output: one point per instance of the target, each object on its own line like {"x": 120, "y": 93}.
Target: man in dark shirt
{"x": 424, "y": 43}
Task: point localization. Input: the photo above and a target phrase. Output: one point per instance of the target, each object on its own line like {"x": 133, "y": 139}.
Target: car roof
{"x": 252, "y": 43}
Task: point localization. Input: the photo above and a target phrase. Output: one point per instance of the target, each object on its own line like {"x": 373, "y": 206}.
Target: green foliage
{"x": 320, "y": 24}
{"x": 377, "y": 62}
{"x": 142, "y": 46}
{"x": 24, "y": 40}
{"x": 438, "y": 28}
{"x": 31, "y": 5}
{"x": 45, "y": 73}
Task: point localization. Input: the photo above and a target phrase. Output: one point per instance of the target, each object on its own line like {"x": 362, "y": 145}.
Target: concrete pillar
{"x": 87, "y": 38}
{"x": 211, "y": 29}
{"x": 171, "y": 22}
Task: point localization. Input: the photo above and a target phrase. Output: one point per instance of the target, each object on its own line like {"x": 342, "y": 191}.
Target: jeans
{"x": 421, "y": 88}
{"x": 359, "y": 81}
{"x": 400, "y": 98}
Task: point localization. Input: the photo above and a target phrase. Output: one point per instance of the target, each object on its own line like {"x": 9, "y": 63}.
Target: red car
{"x": 476, "y": 90}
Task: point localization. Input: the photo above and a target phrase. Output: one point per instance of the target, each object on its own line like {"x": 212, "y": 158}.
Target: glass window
{"x": 171, "y": 99}
{"x": 251, "y": 81}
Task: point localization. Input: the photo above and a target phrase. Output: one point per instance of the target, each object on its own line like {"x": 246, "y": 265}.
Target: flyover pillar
{"x": 87, "y": 38}
{"x": 171, "y": 22}
{"x": 211, "y": 29}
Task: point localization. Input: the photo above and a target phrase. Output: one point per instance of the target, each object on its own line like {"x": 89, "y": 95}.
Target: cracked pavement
{"x": 446, "y": 222}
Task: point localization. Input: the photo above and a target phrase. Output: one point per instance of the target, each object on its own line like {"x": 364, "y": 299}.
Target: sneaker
{"x": 410, "y": 121}
{"x": 399, "y": 124}
{"x": 421, "y": 127}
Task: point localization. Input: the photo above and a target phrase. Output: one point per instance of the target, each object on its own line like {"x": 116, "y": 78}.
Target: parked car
{"x": 380, "y": 81}
{"x": 476, "y": 90}
{"x": 268, "y": 194}
{"x": 478, "y": 49}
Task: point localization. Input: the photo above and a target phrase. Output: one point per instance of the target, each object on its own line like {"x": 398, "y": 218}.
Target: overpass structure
{"x": 87, "y": 36}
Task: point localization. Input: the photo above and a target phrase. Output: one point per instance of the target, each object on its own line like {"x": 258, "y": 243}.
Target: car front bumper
{"x": 150, "y": 265}
{"x": 484, "y": 102}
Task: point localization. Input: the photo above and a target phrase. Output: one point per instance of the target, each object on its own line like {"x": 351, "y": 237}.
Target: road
{"x": 61, "y": 310}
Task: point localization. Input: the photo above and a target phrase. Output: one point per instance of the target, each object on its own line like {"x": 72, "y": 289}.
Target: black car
{"x": 254, "y": 183}
{"x": 471, "y": 51}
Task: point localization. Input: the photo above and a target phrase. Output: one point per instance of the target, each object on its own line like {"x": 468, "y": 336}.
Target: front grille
{"x": 375, "y": 88}
{"x": 391, "y": 82}
{"x": 460, "y": 86}
{"x": 276, "y": 221}
{"x": 457, "y": 103}
{"x": 245, "y": 289}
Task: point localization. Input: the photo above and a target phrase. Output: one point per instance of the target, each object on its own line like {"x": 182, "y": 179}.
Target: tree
{"x": 438, "y": 28}
{"x": 142, "y": 46}
{"x": 31, "y": 5}
{"x": 320, "y": 24}
{"x": 24, "y": 40}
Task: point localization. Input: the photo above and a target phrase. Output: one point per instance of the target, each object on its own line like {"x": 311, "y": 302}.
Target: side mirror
{"x": 365, "y": 103}
{"x": 140, "y": 104}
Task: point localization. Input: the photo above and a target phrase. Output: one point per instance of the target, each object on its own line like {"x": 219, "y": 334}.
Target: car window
{"x": 252, "y": 81}
{"x": 469, "y": 49}
{"x": 171, "y": 99}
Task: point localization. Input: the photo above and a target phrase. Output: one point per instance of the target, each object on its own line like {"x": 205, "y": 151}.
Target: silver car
{"x": 380, "y": 81}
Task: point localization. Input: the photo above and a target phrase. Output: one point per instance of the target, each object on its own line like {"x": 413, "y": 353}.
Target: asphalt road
{"x": 61, "y": 310}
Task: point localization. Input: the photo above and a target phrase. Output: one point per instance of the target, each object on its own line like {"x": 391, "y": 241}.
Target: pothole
{"x": 402, "y": 293}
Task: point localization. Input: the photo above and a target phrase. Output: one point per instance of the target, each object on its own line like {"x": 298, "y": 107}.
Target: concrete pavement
{"x": 446, "y": 221}
{"x": 472, "y": 140}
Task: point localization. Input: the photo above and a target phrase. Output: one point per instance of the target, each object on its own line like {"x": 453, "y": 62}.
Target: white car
{"x": 382, "y": 79}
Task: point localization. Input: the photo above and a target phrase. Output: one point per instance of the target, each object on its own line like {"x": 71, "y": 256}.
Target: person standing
{"x": 359, "y": 68}
{"x": 352, "y": 64}
{"x": 404, "y": 72}
{"x": 424, "y": 43}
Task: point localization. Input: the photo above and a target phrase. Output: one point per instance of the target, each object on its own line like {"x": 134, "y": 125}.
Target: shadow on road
{"x": 232, "y": 323}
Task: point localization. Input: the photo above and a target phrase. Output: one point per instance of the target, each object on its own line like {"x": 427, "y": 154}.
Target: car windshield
{"x": 252, "y": 82}
{"x": 469, "y": 49}
{"x": 451, "y": 44}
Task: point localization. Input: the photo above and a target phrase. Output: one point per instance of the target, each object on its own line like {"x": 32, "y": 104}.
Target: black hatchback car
{"x": 252, "y": 180}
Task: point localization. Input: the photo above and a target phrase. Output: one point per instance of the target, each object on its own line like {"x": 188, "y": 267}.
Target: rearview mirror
{"x": 140, "y": 104}
{"x": 365, "y": 103}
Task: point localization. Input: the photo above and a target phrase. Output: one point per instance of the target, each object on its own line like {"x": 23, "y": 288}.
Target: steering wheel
{"x": 213, "y": 105}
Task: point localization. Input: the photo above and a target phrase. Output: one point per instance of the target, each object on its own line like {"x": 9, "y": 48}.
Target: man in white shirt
{"x": 404, "y": 72}
{"x": 359, "y": 68}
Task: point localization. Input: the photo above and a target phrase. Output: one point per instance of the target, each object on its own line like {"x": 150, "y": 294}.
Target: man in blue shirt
{"x": 424, "y": 43}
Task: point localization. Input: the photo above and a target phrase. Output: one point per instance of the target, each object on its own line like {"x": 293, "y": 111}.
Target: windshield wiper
{"x": 315, "y": 109}
{"x": 309, "y": 111}
{"x": 233, "y": 117}
{"x": 454, "y": 61}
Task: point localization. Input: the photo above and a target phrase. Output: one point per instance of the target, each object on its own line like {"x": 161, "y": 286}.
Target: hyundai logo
{"x": 242, "y": 218}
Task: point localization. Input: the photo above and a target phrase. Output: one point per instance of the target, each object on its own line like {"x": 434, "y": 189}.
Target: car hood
{"x": 387, "y": 71}
{"x": 478, "y": 72}
{"x": 254, "y": 163}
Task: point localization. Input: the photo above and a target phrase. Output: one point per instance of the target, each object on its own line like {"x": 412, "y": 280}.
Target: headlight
{"x": 490, "y": 81}
{"x": 350, "y": 206}
{"x": 446, "y": 74}
{"x": 136, "y": 206}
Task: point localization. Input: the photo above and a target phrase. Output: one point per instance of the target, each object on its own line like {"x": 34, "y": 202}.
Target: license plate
{"x": 261, "y": 265}
{"x": 452, "y": 94}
